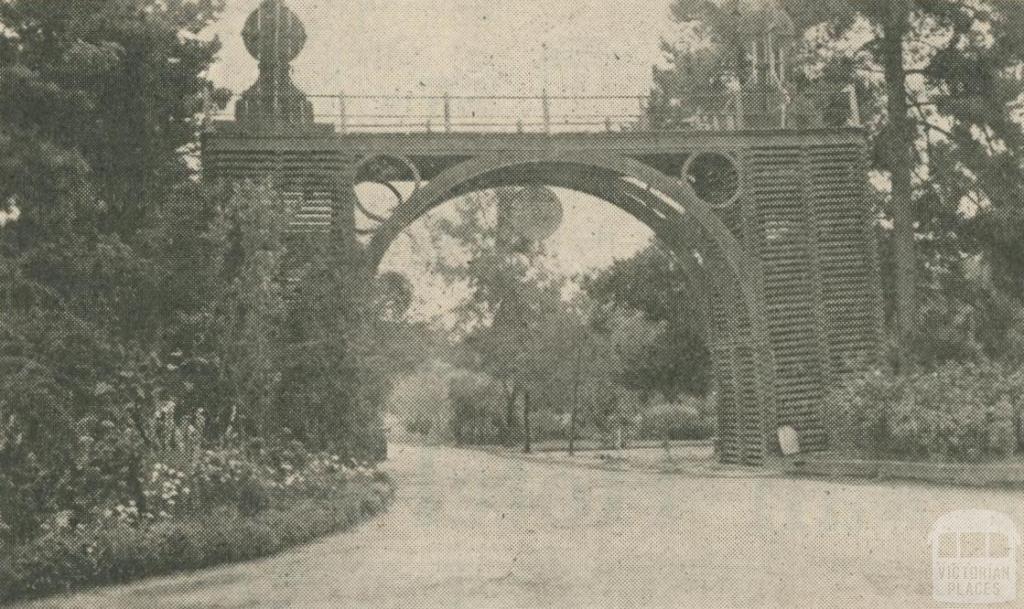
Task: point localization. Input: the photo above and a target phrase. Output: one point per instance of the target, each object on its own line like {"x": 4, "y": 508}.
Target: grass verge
{"x": 77, "y": 559}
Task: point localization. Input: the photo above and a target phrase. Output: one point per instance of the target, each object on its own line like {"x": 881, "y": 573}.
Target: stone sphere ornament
{"x": 273, "y": 34}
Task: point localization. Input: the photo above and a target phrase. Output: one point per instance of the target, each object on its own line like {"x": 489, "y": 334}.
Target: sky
{"x": 474, "y": 47}
{"x": 486, "y": 47}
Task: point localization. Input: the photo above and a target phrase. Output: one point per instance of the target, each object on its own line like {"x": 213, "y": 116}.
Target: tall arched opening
{"x": 721, "y": 271}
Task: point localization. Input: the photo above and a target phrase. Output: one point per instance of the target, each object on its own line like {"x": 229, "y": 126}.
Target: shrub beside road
{"x": 229, "y": 505}
{"x": 956, "y": 413}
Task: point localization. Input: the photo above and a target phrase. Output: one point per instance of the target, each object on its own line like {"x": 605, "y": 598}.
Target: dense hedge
{"x": 958, "y": 412}
{"x": 119, "y": 552}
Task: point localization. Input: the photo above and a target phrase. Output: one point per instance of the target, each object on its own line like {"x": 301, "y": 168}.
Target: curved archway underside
{"x": 726, "y": 276}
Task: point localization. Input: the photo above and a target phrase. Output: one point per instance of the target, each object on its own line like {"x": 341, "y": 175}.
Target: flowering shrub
{"x": 250, "y": 478}
{"x": 179, "y": 483}
{"x": 197, "y": 508}
{"x": 959, "y": 412}
{"x": 127, "y": 549}
{"x": 36, "y": 432}
{"x": 127, "y": 513}
{"x": 219, "y": 475}
{"x": 165, "y": 491}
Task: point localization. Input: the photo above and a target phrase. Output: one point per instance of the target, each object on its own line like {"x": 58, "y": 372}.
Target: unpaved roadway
{"x": 478, "y": 531}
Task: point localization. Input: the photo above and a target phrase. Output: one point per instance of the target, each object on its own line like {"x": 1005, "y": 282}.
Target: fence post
{"x": 643, "y": 118}
{"x": 207, "y": 109}
{"x": 756, "y": 64}
{"x": 854, "y": 120}
{"x": 740, "y": 119}
{"x": 342, "y": 114}
{"x": 546, "y": 107}
{"x": 447, "y": 113}
{"x": 785, "y": 107}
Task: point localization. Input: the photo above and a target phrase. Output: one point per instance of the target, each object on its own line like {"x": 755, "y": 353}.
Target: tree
{"x": 514, "y": 347}
{"x": 938, "y": 79}
{"x": 548, "y": 347}
{"x": 100, "y": 106}
{"x": 516, "y": 321}
{"x": 252, "y": 306}
{"x": 661, "y": 349}
{"x": 579, "y": 350}
{"x": 118, "y": 84}
{"x": 497, "y": 315}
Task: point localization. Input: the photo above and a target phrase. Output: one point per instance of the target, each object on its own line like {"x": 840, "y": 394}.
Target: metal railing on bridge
{"x": 503, "y": 113}
{"x": 750, "y": 109}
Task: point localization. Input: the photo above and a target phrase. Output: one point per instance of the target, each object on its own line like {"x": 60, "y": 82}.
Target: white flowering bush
{"x": 957, "y": 412}
{"x": 186, "y": 504}
{"x": 250, "y": 478}
{"x": 192, "y": 508}
{"x": 166, "y": 490}
{"x": 127, "y": 513}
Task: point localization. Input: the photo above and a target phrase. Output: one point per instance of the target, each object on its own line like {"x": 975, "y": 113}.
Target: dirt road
{"x": 478, "y": 531}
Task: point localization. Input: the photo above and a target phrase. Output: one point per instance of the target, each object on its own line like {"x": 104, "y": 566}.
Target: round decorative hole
{"x": 713, "y": 177}
{"x": 533, "y": 213}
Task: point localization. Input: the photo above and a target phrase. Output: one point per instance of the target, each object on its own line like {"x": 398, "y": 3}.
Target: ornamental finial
{"x": 274, "y": 36}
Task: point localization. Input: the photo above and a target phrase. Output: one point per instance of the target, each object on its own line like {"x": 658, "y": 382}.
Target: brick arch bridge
{"x": 788, "y": 266}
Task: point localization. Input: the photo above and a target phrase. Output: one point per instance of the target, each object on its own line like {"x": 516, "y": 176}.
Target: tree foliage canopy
{"x": 940, "y": 87}
{"x": 674, "y": 360}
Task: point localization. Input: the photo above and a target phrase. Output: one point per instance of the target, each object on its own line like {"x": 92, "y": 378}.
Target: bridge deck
{"x": 228, "y": 137}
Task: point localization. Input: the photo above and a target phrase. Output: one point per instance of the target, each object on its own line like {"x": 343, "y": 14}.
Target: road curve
{"x": 478, "y": 531}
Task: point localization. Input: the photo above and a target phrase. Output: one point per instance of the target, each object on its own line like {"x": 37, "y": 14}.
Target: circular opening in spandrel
{"x": 714, "y": 177}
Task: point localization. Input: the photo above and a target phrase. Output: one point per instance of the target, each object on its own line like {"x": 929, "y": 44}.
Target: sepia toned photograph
{"x": 511, "y": 304}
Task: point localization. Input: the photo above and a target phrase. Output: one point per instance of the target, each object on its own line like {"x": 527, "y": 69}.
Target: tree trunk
{"x": 526, "y": 420}
{"x": 511, "y": 401}
{"x": 577, "y": 373}
{"x": 901, "y": 157}
{"x": 572, "y": 428}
